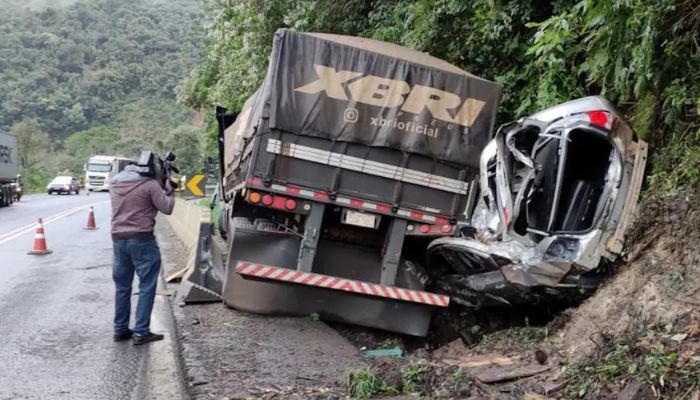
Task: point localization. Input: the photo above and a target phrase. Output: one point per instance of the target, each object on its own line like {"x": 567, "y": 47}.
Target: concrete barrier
{"x": 201, "y": 278}
{"x": 185, "y": 221}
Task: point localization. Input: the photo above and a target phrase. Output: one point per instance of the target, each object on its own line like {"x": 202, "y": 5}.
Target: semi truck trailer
{"x": 349, "y": 159}
{"x": 100, "y": 170}
{"x": 8, "y": 168}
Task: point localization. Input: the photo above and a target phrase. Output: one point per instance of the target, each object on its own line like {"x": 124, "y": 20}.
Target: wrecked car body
{"x": 557, "y": 190}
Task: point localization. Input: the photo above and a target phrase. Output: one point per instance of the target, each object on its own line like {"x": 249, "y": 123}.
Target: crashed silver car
{"x": 557, "y": 192}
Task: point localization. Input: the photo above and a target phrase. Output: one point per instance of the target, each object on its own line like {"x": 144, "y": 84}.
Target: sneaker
{"x": 118, "y": 337}
{"x": 148, "y": 337}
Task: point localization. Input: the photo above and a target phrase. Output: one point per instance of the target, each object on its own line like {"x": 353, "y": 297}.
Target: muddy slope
{"x": 659, "y": 283}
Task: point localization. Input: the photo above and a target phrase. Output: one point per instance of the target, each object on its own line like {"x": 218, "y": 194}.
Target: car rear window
{"x": 62, "y": 180}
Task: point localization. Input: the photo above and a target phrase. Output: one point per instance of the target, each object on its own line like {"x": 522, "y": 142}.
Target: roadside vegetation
{"x": 643, "y": 55}
{"x": 662, "y": 360}
{"x": 79, "y": 78}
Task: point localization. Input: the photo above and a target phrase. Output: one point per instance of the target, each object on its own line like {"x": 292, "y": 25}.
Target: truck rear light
{"x": 446, "y": 228}
{"x": 290, "y": 204}
{"x": 425, "y": 228}
{"x": 601, "y": 119}
{"x": 267, "y": 199}
{"x": 254, "y": 197}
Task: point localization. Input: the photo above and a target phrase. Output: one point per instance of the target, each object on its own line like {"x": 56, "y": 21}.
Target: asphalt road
{"x": 56, "y": 311}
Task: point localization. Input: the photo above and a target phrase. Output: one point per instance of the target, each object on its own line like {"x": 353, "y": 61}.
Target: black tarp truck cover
{"x": 362, "y": 91}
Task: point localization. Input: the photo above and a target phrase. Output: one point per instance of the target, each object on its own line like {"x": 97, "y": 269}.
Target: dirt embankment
{"x": 658, "y": 285}
{"x": 637, "y": 337}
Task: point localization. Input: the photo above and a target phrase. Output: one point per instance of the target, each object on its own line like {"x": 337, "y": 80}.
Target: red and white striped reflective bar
{"x": 347, "y": 285}
{"x": 366, "y": 205}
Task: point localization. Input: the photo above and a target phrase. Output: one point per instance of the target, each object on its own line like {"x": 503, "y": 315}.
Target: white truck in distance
{"x": 100, "y": 170}
{"x": 8, "y": 168}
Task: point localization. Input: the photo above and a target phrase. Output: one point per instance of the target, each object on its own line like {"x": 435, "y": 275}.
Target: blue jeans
{"x": 143, "y": 258}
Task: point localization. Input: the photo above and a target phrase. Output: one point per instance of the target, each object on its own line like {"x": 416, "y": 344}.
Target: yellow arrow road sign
{"x": 195, "y": 186}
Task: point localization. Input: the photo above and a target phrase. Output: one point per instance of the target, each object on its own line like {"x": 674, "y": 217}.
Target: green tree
{"x": 186, "y": 143}
{"x": 643, "y": 55}
{"x": 33, "y": 144}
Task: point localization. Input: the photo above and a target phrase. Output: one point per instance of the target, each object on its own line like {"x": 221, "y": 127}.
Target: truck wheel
{"x": 242, "y": 222}
{"x": 264, "y": 224}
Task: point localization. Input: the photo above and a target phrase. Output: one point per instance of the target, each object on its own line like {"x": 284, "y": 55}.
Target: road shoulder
{"x": 230, "y": 354}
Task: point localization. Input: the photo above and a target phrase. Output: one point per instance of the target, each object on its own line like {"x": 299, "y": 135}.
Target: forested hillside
{"x": 95, "y": 76}
{"x": 641, "y": 54}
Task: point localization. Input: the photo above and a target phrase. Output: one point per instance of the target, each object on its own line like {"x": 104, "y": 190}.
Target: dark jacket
{"x": 135, "y": 202}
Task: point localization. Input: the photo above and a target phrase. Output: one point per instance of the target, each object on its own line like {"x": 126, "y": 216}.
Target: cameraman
{"x": 137, "y": 194}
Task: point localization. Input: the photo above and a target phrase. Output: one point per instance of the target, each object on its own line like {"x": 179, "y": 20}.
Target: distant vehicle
{"x": 63, "y": 184}
{"x": 100, "y": 170}
{"x": 17, "y": 188}
{"x": 8, "y": 169}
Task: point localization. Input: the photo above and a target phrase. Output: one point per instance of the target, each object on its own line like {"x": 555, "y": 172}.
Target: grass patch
{"x": 675, "y": 166}
{"x": 516, "y": 337}
{"x": 413, "y": 375}
{"x": 389, "y": 343}
{"x": 364, "y": 383}
{"x": 657, "y": 358}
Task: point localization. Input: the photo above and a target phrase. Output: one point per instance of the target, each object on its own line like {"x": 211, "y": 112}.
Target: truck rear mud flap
{"x": 262, "y": 278}
{"x": 202, "y": 280}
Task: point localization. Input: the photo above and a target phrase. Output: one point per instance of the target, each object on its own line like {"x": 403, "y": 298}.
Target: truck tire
{"x": 241, "y": 222}
{"x": 265, "y": 225}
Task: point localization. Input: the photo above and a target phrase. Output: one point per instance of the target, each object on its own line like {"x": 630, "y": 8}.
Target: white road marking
{"x": 6, "y": 237}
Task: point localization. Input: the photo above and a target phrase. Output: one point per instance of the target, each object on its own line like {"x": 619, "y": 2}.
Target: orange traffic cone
{"x": 39, "y": 241}
{"x": 91, "y": 221}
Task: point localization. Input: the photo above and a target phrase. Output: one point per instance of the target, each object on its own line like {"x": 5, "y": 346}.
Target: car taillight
{"x": 290, "y": 204}
{"x": 601, "y": 119}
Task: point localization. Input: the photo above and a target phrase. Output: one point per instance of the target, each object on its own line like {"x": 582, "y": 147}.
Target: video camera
{"x": 149, "y": 164}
